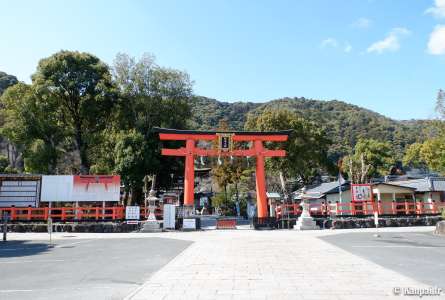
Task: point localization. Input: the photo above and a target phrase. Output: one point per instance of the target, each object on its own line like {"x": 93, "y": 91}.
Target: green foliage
{"x": 207, "y": 113}
{"x": 306, "y": 148}
{"x": 79, "y": 87}
{"x": 413, "y": 156}
{"x": 4, "y": 162}
{"x": 429, "y": 154}
{"x": 151, "y": 96}
{"x": 10, "y": 170}
{"x": 130, "y": 160}
{"x": 370, "y": 158}
{"x": 33, "y": 124}
{"x": 224, "y": 204}
{"x": 40, "y": 157}
{"x": 343, "y": 123}
{"x": 223, "y": 175}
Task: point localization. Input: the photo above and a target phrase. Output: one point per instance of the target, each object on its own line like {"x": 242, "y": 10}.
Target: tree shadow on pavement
{"x": 22, "y": 248}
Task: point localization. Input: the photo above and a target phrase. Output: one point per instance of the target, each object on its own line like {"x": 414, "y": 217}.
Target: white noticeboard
{"x": 169, "y": 216}
{"x": 361, "y": 192}
{"x": 132, "y": 213}
{"x": 189, "y": 224}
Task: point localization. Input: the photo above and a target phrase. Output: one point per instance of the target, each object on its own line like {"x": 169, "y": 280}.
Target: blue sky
{"x": 388, "y": 56}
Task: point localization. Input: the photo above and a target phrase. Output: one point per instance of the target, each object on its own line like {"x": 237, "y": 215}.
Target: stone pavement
{"x": 269, "y": 265}
{"x": 248, "y": 264}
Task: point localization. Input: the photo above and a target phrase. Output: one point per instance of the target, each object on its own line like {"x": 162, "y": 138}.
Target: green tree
{"x": 223, "y": 174}
{"x": 130, "y": 162}
{"x": 32, "y": 123}
{"x": 306, "y": 148}
{"x": 81, "y": 90}
{"x": 413, "y": 156}
{"x": 370, "y": 158}
{"x": 151, "y": 96}
{"x": 4, "y": 162}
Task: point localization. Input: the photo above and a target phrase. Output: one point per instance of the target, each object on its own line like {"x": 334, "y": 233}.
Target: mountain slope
{"x": 344, "y": 123}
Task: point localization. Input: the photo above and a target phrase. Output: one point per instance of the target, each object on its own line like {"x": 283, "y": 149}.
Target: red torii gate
{"x": 225, "y": 141}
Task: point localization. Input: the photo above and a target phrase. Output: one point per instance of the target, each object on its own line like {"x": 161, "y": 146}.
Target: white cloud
{"x": 436, "y": 44}
{"x": 362, "y": 23}
{"x": 348, "y": 47}
{"x": 438, "y": 10}
{"x": 329, "y": 42}
{"x": 390, "y": 43}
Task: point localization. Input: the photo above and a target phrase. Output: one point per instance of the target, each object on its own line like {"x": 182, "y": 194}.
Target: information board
{"x": 361, "y": 192}
{"x": 189, "y": 224}
{"x": 132, "y": 212}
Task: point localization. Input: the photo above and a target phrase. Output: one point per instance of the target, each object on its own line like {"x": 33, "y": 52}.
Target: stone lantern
{"x": 305, "y": 221}
{"x": 151, "y": 225}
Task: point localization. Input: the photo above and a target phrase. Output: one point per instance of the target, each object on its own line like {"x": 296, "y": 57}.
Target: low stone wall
{"x": 440, "y": 228}
{"x": 107, "y": 227}
{"x": 346, "y": 223}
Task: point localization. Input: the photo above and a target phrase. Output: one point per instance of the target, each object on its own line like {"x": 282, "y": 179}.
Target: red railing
{"x": 363, "y": 208}
{"x": 71, "y": 213}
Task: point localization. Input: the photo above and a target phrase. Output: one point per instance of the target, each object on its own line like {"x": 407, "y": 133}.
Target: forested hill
{"x": 344, "y": 123}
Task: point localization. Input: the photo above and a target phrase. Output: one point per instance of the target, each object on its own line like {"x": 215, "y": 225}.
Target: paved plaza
{"x": 232, "y": 264}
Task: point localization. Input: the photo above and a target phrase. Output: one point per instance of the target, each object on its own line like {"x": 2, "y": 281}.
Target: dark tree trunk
{"x": 81, "y": 147}
{"x": 136, "y": 196}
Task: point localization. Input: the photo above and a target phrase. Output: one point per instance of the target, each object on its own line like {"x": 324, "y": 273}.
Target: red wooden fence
{"x": 70, "y": 213}
{"x": 364, "y": 208}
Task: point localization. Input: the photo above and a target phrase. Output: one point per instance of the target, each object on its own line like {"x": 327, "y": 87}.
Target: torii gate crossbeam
{"x": 257, "y": 150}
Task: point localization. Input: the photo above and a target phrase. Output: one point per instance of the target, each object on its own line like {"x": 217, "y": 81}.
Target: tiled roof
{"x": 324, "y": 188}
{"x": 438, "y": 183}
{"x": 428, "y": 184}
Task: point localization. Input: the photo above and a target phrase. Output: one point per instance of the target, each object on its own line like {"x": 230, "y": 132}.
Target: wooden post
{"x": 13, "y": 213}
{"x": 418, "y": 205}
{"x": 5, "y": 225}
{"x": 103, "y": 210}
{"x": 406, "y": 207}
{"x": 260, "y": 180}
{"x": 76, "y": 211}
{"x": 189, "y": 177}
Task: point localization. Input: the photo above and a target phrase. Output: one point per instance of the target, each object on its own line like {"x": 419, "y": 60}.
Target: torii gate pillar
{"x": 189, "y": 176}
{"x": 260, "y": 180}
